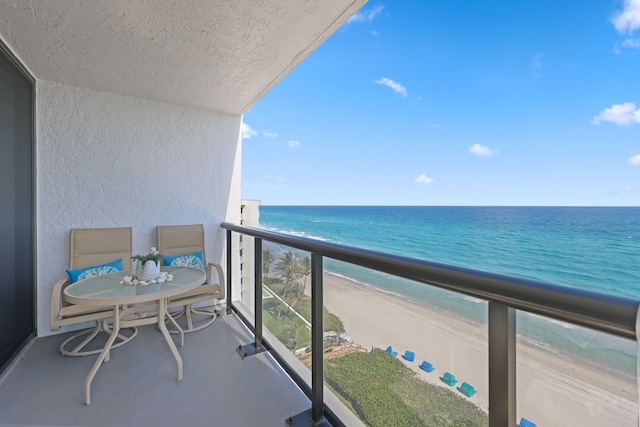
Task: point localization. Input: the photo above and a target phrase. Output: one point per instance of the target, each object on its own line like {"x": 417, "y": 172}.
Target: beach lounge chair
{"x": 409, "y": 356}
{"x": 449, "y": 379}
{"x": 526, "y": 423}
{"x": 467, "y": 389}
{"x": 391, "y": 352}
{"x": 426, "y": 366}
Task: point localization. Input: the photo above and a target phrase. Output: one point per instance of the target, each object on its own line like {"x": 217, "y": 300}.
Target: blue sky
{"x": 525, "y": 102}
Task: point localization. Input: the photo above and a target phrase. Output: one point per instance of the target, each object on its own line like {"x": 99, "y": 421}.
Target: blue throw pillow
{"x": 194, "y": 260}
{"x": 96, "y": 270}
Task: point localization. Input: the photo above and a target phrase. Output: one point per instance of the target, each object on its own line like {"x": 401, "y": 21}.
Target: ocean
{"x": 593, "y": 248}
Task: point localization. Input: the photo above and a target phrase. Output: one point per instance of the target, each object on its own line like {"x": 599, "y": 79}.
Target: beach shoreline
{"x": 551, "y": 389}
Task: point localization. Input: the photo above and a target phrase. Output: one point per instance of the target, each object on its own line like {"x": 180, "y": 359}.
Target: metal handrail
{"x": 605, "y": 313}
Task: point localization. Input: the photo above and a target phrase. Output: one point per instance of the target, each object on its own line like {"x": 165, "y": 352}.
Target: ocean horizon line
{"x": 442, "y": 206}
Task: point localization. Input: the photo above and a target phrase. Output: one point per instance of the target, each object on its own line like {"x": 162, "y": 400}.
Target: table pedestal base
{"x": 119, "y": 323}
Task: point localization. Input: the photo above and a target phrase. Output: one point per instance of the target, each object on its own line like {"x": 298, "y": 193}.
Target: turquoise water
{"x": 594, "y": 248}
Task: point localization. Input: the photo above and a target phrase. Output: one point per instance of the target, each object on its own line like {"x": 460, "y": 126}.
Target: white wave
{"x": 296, "y": 233}
{"x": 546, "y": 347}
{"x": 561, "y": 323}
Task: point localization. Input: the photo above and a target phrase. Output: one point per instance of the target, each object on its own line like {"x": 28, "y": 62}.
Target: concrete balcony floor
{"x": 138, "y": 386}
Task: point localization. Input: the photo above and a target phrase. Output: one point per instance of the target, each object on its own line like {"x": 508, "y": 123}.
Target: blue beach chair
{"x": 467, "y": 389}
{"x": 449, "y": 379}
{"x": 391, "y": 352}
{"x": 426, "y": 366}
{"x": 409, "y": 356}
{"x": 526, "y": 423}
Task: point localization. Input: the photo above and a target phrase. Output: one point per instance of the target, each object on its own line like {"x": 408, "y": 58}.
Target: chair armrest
{"x": 56, "y": 304}
{"x": 222, "y": 284}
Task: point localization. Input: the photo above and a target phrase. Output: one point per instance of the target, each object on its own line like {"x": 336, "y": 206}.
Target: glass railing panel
{"x": 286, "y": 296}
{"x": 404, "y": 353}
{"x": 244, "y": 277}
{"x": 286, "y": 305}
{"x": 574, "y": 376}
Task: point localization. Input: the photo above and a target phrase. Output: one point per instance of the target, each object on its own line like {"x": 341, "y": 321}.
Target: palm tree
{"x": 305, "y": 270}
{"x": 267, "y": 260}
{"x": 287, "y": 269}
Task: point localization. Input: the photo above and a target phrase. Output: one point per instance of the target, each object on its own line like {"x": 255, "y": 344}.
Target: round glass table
{"x": 129, "y": 302}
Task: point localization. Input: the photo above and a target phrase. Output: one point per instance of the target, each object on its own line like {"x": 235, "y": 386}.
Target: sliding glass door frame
{"x": 25, "y": 328}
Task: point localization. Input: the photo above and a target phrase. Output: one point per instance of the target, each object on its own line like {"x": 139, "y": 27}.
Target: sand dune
{"x": 551, "y": 390}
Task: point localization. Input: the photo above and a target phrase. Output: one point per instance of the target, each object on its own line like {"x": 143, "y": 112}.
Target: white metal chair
{"x": 90, "y": 247}
{"x": 187, "y": 239}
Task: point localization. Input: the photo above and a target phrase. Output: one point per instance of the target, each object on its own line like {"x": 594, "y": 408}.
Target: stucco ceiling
{"x": 220, "y": 55}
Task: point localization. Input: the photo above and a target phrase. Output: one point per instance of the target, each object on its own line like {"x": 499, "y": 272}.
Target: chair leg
{"x": 101, "y": 326}
{"x": 190, "y": 311}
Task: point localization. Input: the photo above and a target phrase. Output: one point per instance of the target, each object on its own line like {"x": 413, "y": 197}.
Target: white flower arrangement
{"x": 153, "y": 255}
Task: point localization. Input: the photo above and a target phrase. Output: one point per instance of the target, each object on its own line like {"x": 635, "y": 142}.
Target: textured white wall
{"x": 107, "y": 160}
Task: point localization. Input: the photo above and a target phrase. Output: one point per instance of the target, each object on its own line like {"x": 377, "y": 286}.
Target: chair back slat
{"x": 96, "y": 246}
{"x": 181, "y": 239}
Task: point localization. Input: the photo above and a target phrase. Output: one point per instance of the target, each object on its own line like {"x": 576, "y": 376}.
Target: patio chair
{"x": 93, "y": 250}
{"x": 183, "y": 245}
{"x": 391, "y": 351}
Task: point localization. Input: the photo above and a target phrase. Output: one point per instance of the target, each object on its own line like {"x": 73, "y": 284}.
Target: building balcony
{"x": 240, "y": 371}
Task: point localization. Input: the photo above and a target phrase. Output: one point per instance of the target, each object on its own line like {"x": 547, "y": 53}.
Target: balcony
{"x": 237, "y": 372}
{"x": 167, "y": 112}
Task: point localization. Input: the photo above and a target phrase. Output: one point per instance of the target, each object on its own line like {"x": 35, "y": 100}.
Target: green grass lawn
{"x": 289, "y": 328}
{"x": 384, "y": 392}
{"x": 303, "y": 306}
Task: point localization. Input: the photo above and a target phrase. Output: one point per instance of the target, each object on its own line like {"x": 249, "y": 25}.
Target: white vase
{"x": 148, "y": 271}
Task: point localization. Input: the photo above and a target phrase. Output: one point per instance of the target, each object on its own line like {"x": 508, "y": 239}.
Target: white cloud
{"x": 628, "y": 19}
{"x": 424, "y": 179}
{"x": 432, "y": 125}
{"x": 635, "y": 160}
{"x": 293, "y": 144}
{"x": 621, "y": 114}
{"x": 397, "y": 87}
{"x": 269, "y": 134}
{"x": 619, "y": 191}
{"x": 366, "y": 15}
{"x": 247, "y": 132}
{"x": 481, "y": 150}
{"x": 537, "y": 60}
{"x": 631, "y": 43}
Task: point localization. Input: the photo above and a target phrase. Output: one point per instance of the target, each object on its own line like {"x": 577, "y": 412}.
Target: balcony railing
{"x": 612, "y": 315}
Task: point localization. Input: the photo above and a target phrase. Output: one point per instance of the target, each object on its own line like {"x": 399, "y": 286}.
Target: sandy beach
{"x": 551, "y": 390}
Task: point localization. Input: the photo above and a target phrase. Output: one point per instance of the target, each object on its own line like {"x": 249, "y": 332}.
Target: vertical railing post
{"x": 229, "y": 271}
{"x": 317, "y": 363}
{"x": 258, "y": 292}
{"x": 502, "y": 365}
{"x": 315, "y": 415}
{"x": 255, "y": 348}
